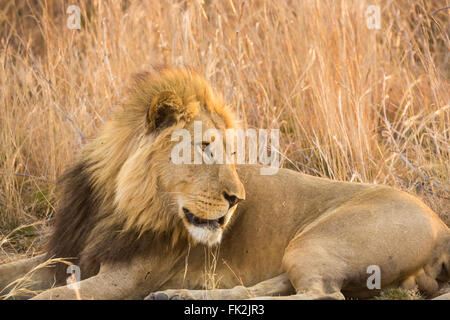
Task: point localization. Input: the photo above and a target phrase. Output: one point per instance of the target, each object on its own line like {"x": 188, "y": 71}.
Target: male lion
{"x": 138, "y": 225}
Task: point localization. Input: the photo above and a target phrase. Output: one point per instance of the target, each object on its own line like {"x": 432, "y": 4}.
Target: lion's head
{"x": 127, "y": 195}
{"x": 132, "y": 164}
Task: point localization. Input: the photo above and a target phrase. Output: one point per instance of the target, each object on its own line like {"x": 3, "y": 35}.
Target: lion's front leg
{"x": 116, "y": 281}
{"x": 277, "y": 286}
{"x": 113, "y": 282}
{"x": 109, "y": 284}
{"x": 36, "y": 271}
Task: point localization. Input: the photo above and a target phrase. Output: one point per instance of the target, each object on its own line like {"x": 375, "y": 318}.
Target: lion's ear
{"x": 164, "y": 111}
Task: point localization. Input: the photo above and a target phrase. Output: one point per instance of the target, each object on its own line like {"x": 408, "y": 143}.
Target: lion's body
{"x": 361, "y": 225}
{"x": 136, "y": 223}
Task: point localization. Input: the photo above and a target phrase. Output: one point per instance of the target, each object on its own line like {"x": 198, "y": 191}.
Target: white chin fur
{"x": 204, "y": 235}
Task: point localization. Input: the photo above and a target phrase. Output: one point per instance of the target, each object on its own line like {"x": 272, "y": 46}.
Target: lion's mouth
{"x": 199, "y": 222}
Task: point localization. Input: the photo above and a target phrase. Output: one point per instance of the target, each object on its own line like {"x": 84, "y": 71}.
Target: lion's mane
{"x": 109, "y": 208}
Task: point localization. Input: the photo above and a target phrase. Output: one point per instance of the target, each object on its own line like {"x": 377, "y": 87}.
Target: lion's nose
{"x": 232, "y": 199}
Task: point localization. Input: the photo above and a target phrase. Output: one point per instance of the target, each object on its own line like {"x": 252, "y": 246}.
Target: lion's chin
{"x": 205, "y": 235}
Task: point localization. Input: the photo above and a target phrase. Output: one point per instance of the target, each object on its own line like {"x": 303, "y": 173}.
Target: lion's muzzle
{"x": 200, "y": 222}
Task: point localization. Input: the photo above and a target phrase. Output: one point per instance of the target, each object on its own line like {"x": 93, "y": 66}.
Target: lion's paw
{"x": 170, "y": 295}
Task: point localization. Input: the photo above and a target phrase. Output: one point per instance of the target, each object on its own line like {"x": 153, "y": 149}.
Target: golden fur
{"x": 124, "y": 138}
{"x": 124, "y": 217}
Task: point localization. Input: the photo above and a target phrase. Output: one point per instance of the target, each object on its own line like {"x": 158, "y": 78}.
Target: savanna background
{"x": 352, "y": 102}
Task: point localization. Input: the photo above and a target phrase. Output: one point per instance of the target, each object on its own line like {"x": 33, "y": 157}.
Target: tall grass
{"x": 351, "y": 103}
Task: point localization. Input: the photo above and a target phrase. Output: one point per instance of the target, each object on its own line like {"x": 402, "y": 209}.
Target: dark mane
{"x": 74, "y": 218}
{"x": 76, "y": 223}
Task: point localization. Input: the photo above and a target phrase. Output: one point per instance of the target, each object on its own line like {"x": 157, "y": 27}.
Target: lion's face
{"x": 154, "y": 191}
{"x": 205, "y": 195}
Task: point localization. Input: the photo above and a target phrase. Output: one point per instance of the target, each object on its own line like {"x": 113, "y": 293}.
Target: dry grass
{"x": 399, "y": 294}
{"x": 351, "y": 103}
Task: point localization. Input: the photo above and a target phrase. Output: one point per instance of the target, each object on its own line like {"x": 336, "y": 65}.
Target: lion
{"x": 140, "y": 226}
